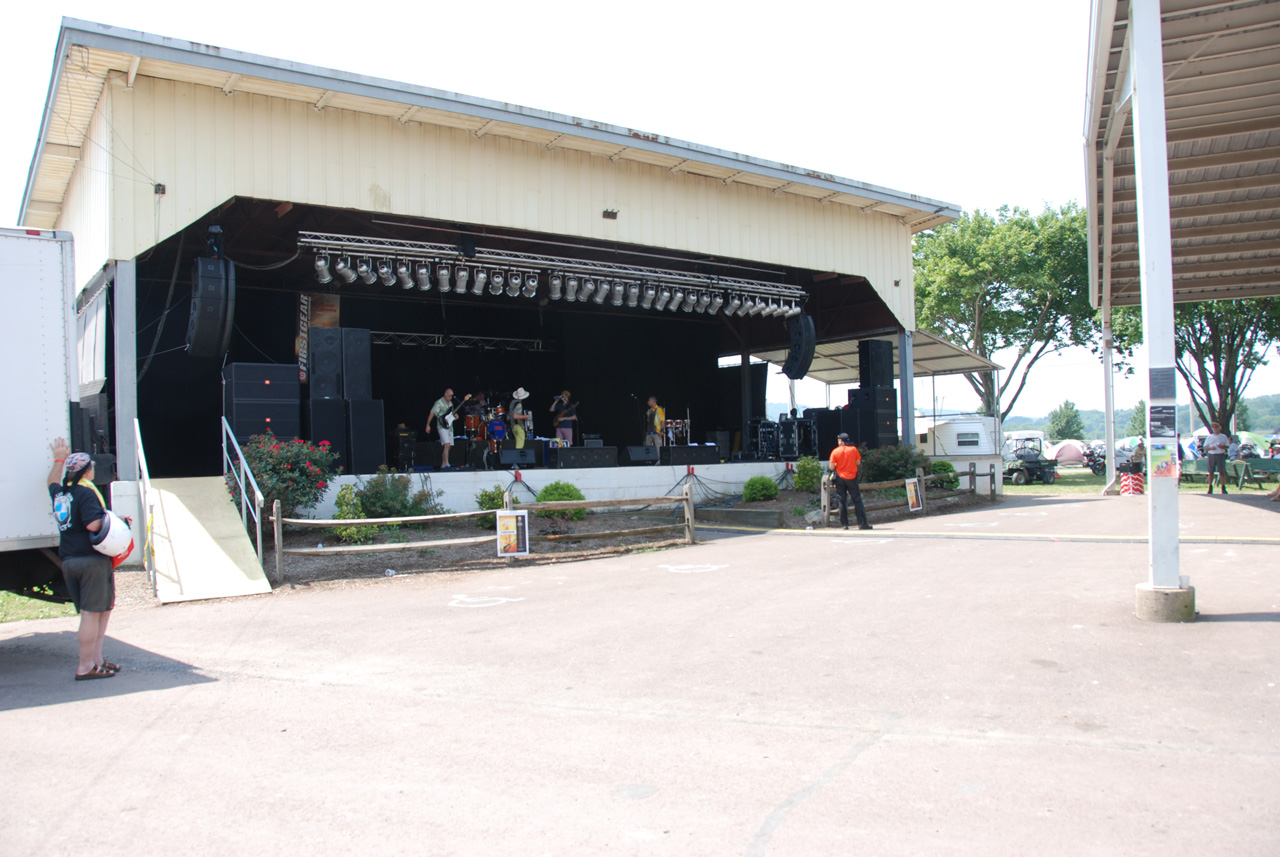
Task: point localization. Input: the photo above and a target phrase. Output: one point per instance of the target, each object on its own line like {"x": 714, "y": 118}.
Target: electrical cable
{"x": 173, "y": 281}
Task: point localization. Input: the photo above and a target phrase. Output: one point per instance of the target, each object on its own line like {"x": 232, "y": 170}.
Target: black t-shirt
{"x": 73, "y": 509}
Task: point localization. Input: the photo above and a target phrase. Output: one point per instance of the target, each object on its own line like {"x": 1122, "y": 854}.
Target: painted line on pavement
{"x": 1003, "y": 537}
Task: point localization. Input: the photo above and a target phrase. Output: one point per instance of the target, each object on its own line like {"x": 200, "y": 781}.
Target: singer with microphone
{"x": 655, "y": 423}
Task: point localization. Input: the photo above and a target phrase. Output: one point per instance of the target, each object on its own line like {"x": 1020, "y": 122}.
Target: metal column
{"x": 1146, "y": 70}
{"x": 125, "y": 309}
{"x": 907, "y": 388}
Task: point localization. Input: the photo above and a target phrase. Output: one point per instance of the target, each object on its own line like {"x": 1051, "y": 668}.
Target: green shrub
{"x": 759, "y": 488}
{"x": 349, "y": 508}
{"x": 945, "y": 467}
{"x": 296, "y": 473}
{"x": 808, "y": 474}
{"x": 489, "y": 499}
{"x": 561, "y": 491}
{"x": 889, "y": 463}
{"x": 387, "y": 495}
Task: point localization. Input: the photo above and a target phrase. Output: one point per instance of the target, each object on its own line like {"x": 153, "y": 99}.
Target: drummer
{"x": 521, "y": 421}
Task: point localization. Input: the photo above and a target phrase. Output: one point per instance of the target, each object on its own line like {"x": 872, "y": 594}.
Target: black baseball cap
{"x": 844, "y": 436}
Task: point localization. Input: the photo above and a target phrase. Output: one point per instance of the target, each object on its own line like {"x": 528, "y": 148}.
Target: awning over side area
{"x": 837, "y": 362}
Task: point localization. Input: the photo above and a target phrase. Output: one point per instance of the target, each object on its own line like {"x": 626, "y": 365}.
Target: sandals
{"x": 107, "y": 665}
{"x": 96, "y": 672}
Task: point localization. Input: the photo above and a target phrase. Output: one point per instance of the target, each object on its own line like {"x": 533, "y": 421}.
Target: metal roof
{"x": 1222, "y": 105}
{"x": 88, "y": 52}
{"x": 837, "y": 362}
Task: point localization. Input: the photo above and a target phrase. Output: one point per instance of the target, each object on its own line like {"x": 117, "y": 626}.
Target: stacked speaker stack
{"x": 261, "y": 397}
{"x": 341, "y": 408}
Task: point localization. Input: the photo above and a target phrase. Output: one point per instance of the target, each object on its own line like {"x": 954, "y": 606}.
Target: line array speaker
{"x": 213, "y": 307}
{"x": 357, "y": 364}
{"x": 804, "y": 341}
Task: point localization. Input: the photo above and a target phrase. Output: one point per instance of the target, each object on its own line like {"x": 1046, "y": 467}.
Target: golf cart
{"x": 1027, "y": 463}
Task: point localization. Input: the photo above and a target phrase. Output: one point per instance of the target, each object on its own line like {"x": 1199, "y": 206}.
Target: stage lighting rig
{"x": 403, "y": 275}
{"x": 496, "y": 281}
{"x": 556, "y": 282}
{"x": 343, "y": 269}
{"x": 482, "y": 277}
{"x": 322, "y": 270}
{"x": 530, "y": 285}
{"x": 385, "y": 274}
{"x": 571, "y": 289}
{"x": 442, "y": 277}
{"x": 365, "y": 270}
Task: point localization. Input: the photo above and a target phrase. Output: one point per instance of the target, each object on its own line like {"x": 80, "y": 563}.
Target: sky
{"x": 979, "y": 104}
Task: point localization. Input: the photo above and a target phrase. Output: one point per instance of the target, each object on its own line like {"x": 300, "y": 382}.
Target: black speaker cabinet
{"x": 357, "y": 364}
{"x": 827, "y": 424}
{"x": 324, "y": 362}
{"x": 252, "y": 417}
{"x": 788, "y": 440}
{"x": 685, "y": 455}
{"x": 804, "y": 341}
{"x": 365, "y": 436}
{"x": 639, "y": 455}
{"x": 326, "y": 419}
{"x": 875, "y": 363}
{"x": 257, "y": 397}
{"x": 584, "y": 456}
{"x": 213, "y": 307}
{"x": 517, "y": 457}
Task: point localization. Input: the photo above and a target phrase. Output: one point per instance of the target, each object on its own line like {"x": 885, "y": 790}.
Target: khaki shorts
{"x": 91, "y": 581}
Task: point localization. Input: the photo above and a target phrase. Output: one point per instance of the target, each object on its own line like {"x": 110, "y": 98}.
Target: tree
{"x": 1013, "y": 281}
{"x": 1242, "y": 417}
{"x": 1218, "y": 344}
{"x": 1138, "y": 422}
{"x": 1065, "y": 422}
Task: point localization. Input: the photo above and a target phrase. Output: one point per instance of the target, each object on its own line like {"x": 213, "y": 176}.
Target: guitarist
{"x": 566, "y": 417}
{"x": 446, "y": 412}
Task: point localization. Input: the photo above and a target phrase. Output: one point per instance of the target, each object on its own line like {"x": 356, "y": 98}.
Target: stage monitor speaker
{"x": 875, "y": 363}
{"x": 357, "y": 364}
{"x": 639, "y": 455}
{"x": 365, "y": 435}
{"x": 213, "y": 307}
{"x": 326, "y": 419}
{"x": 685, "y": 455}
{"x": 517, "y": 457}
{"x": 584, "y": 456}
{"x": 324, "y": 362}
{"x": 723, "y": 441}
{"x": 804, "y": 340}
{"x": 262, "y": 382}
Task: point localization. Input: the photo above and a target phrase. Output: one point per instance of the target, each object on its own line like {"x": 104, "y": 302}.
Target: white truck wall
{"x": 40, "y": 379}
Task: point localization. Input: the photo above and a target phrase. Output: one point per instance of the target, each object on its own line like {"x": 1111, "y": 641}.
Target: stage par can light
{"x": 404, "y": 276}
{"x": 633, "y": 294}
{"x": 588, "y": 286}
{"x": 482, "y": 277}
{"x": 557, "y": 286}
{"x": 690, "y": 301}
{"x": 662, "y": 300}
{"x": 442, "y": 276}
{"x": 496, "y": 282}
{"x": 704, "y": 301}
{"x": 757, "y": 307}
{"x": 793, "y": 311}
{"x": 734, "y": 303}
{"x": 747, "y": 306}
{"x": 460, "y": 278}
{"x": 530, "y": 285}
{"x": 385, "y": 274}
{"x": 571, "y": 289}
{"x": 677, "y": 300}
{"x": 365, "y": 271}
{"x": 343, "y": 268}
{"x": 424, "y": 276}
{"x": 514, "y": 281}
{"x": 649, "y": 294}
{"x": 716, "y": 303}
{"x": 602, "y": 292}
{"x": 619, "y": 289}
{"x": 322, "y": 270}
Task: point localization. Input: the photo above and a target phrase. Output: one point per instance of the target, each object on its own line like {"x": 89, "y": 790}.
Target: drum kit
{"x": 677, "y": 432}
{"x": 484, "y": 423}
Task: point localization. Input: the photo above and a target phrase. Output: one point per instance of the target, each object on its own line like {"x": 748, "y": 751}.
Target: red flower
{"x": 320, "y": 484}
{"x": 275, "y": 448}
{"x": 324, "y": 443}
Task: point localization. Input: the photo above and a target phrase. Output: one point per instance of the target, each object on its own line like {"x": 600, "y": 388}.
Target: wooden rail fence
{"x": 828, "y": 488}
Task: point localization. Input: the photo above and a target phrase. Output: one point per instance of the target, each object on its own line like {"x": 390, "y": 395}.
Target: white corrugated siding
{"x": 86, "y": 207}
{"x": 206, "y": 147}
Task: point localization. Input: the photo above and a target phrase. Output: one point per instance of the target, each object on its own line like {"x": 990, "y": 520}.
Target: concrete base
{"x": 1165, "y": 605}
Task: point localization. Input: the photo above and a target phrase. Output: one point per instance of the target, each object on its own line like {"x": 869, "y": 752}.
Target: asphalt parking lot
{"x": 973, "y": 683}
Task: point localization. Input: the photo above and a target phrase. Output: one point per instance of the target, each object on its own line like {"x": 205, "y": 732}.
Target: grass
{"x": 15, "y": 607}
{"x": 1079, "y": 480}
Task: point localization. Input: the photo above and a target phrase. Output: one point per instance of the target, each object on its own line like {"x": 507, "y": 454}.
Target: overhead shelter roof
{"x": 837, "y": 362}
{"x": 100, "y": 49}
{"x": 1222, "y": 104}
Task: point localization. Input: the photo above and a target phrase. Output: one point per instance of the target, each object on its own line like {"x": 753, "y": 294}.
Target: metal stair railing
{"x": 239, "y": 470}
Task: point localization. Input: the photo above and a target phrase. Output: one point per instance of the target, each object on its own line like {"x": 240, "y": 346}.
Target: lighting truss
{"x": 572, "y": 280}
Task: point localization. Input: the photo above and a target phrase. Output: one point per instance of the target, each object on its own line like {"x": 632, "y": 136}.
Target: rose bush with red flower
{"x": 295, "y": 473}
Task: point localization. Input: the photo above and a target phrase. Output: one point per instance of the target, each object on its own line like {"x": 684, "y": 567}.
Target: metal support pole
{"x": 688, "y": 513}
{"x": 277, "y": 529}
{"x": 1109, "y": 401}
{"x": 744, "y": 381}
{"x": 907, "y": 388}
{"x": 1146, "y": 67}
{"x": 125, "y": 310}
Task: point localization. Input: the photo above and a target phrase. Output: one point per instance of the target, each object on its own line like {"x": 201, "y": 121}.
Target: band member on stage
{"x": 443, "y": 411}
{"x": 521, "y": 420}
{"x": 566, "y": 416}
{"x": 655, "y": 423}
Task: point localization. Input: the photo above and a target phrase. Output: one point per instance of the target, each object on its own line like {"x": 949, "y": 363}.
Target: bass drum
{"x": 497, "y": 430}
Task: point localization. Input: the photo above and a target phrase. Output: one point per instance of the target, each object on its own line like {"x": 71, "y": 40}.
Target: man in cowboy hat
{"x": 521, "y": 420}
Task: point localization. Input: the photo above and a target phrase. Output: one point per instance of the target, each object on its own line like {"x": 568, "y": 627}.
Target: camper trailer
{"x": 956, "y": 435}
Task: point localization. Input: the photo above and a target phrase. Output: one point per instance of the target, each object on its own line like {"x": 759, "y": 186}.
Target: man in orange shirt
{"x": 844, "y": 461}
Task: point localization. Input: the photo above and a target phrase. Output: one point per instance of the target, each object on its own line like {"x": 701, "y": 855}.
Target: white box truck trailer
{"x": 40, "y": 365}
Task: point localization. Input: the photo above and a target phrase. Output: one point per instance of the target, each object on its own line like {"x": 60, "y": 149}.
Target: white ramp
{"x": 201, "y": 547}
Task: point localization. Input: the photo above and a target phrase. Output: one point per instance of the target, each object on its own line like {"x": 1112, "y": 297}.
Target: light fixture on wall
{"x": 322, "y": 270}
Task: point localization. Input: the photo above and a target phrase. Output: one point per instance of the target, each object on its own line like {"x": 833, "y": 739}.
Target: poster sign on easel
{"x": 915, "y": 501}
{"x": 513, "y": 533}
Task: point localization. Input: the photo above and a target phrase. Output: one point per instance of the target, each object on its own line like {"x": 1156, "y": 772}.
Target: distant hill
{"x": 1264, "y": 417}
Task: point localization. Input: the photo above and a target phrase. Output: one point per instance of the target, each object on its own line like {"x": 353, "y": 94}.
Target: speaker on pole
{"x": 213, "y": 307}
{"x": 804, "y": 340}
